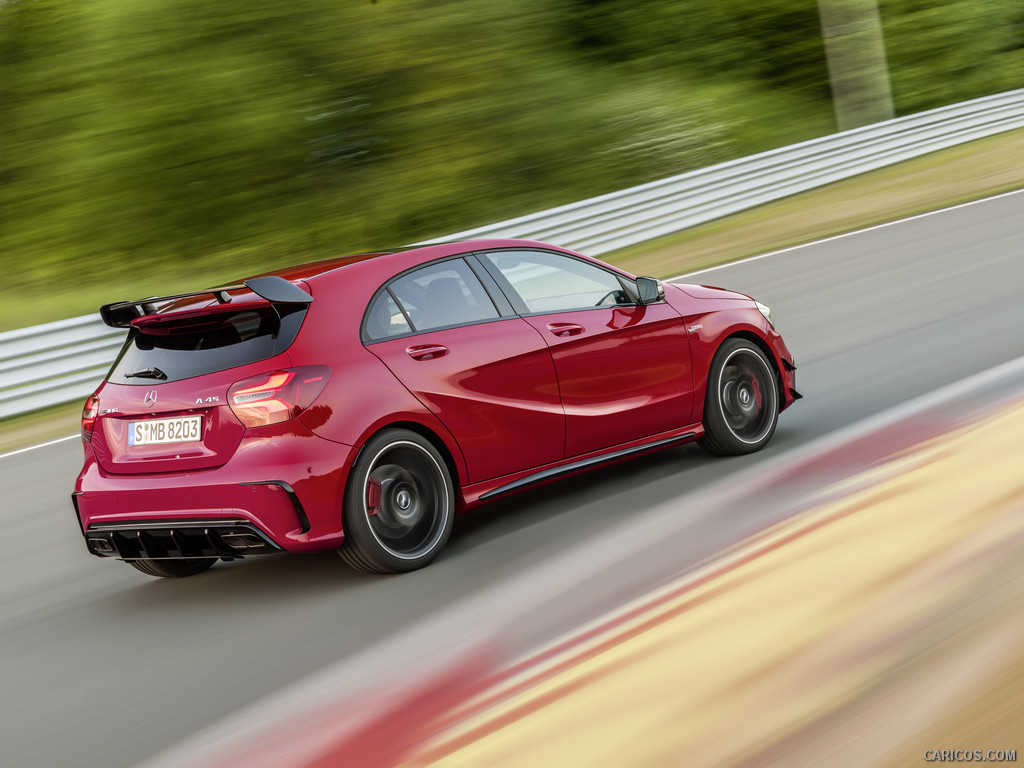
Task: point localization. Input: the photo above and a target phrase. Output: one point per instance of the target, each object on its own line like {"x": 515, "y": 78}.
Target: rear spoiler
{"x": 274, "y": 289}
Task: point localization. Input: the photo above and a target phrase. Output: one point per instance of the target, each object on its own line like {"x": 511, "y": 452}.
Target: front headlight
{"x": 766, "y": 311}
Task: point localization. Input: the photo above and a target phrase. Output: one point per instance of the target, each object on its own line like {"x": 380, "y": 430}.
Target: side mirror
{"x": 650, "y": 290}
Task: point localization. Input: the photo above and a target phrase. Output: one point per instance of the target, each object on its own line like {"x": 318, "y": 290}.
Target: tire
{"x": 399, "y": 504}
{"x": 173, "y": 569}
{"x": 741, "y": 403}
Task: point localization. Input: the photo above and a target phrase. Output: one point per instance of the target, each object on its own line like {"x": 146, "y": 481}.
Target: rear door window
{"x": 197, "y": 346}
{"x": 437, "y": 296}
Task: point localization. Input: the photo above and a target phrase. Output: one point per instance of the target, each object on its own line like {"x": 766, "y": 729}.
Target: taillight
{"x": 274, "y": 397}
{"x": 89, "y": 414}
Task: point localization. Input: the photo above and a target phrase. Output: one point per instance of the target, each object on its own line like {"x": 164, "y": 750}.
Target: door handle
{"x": 426, "y": 351}
{"x": 565, "y": 329}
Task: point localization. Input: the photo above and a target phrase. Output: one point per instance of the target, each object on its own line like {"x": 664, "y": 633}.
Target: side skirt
{"x": 493, "y": 488}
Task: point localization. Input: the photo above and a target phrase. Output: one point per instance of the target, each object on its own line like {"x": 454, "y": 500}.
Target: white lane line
{"x": 41, "y": 445}
{"x": 845, "y": 234}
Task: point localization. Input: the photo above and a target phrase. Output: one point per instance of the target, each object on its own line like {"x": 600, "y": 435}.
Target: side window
{"x": 551, "y": 282}
{"x": 435, "y": 296}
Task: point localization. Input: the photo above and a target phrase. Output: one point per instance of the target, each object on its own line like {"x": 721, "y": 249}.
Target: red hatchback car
{"x": 359, "y": 403}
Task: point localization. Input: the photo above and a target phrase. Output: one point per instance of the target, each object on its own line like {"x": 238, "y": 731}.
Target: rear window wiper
{"x": 147, "y": 373}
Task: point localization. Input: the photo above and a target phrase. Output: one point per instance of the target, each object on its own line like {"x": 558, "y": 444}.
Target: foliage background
{"x": 179, "y": 137}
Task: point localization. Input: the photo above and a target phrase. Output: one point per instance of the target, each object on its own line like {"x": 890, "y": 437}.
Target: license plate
{"x": 184, "y": 429}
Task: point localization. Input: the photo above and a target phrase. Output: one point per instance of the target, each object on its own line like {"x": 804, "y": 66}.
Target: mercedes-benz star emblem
{"x": 150, "y": 398}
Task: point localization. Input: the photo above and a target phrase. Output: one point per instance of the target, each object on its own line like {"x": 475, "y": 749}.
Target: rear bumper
{"x": 287, "y": 490}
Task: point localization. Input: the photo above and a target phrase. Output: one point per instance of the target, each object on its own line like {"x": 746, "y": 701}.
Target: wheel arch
{"x": 427, "y": 434}
{"x": 435, "y": 440}
{"x": 712, "y": 331}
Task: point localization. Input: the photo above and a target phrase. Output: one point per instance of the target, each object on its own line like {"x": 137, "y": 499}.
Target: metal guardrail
{"x": 619, "y": 219}
{"x": 64, "y": 361}
{"x": 54, "y": 363}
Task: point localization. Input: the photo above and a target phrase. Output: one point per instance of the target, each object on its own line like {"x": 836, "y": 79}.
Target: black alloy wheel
{"x": 741, "y": 405}
{"x": 399, "y": 505}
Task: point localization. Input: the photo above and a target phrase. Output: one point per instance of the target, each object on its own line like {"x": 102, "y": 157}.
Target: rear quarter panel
{"x": 362, "y": 396}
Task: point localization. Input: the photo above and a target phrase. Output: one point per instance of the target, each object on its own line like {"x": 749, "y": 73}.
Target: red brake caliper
{"x": 372, "y": 496}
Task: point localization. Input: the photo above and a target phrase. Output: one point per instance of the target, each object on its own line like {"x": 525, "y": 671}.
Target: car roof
{"x": 328, "y": 270}
{"x": 314, "y": 268}
{"x": 409, "y": 254}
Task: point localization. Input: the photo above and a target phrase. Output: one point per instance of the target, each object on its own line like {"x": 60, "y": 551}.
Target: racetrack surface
{"x": 876, "y": 622}
{"x": 102, "y": 666}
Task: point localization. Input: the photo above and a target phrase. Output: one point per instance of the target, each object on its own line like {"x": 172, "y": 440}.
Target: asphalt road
{"x": 103, "y": 666}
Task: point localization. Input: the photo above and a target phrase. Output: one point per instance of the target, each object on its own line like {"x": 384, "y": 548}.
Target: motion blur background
{"x": 149, "y": 146}
{"x": 141, "y": 142}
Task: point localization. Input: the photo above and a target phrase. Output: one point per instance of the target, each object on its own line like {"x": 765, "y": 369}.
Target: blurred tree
{"x": 148, "y": 127}
{"x": 941, "y": 53}
{"x": 858, "y": 68}
{"x": 778, "y": 41}
{"x": 143, "y": 133}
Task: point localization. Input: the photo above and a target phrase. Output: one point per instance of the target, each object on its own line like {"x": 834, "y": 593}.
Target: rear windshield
{"x": 196, "y": 346}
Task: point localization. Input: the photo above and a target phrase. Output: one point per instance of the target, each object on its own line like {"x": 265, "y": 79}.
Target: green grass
{"x": 40, "y": 426}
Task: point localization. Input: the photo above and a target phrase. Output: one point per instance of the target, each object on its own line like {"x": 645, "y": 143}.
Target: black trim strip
{"x": 510, "y": 293}
{"x": 304, "y": 526}
{"x": 145, "y": 525}
{"x": 498, "y": 297}
{"x": 575, "y": 466}
{"x": 408, "y": 320}
{"x": 74, "y": 503}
